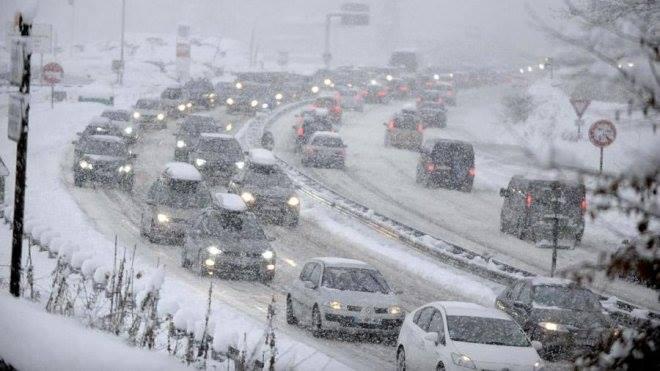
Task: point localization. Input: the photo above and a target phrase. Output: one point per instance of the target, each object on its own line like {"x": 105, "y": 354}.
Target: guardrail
{"x": 481, "y": 265}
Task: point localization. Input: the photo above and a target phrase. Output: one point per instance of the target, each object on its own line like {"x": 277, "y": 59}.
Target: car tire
{"x": 127, "y": 185}
{"x": 317, "y": 323}
{"x": 186, "y": 263}
{"x": 401, "y": 359}
{"x": 440, "y": 367}
{"x": 77, "y": 179}
{"x": 293, "y": 221}
{"x": 290, "y": 315}
{"x": 466, "y": 187}
{"x": 267, "y": 276}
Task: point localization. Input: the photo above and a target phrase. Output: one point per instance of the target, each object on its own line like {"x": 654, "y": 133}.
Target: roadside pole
{"x": 21, "y": 166}
{"x": 555, "y": 226}
{"x": 121, "y": 48}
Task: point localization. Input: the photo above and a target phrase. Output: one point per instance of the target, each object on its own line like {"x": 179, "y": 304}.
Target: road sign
{"x": 580, "y": 106}
{"x": 16, "y": 114}
{"x": 602, "y": 133}
{"x": 18, "y": 49}
{"x": 355, "y": 19}
{"x": 53, "y": 73}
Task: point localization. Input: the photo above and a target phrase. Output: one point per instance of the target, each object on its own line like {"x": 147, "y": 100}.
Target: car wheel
{"x": 127, "y": 185}
{"x": 317, "y": 325}
{"x": 440, "y": 367}
{"x": 294, "y": 220}
{"x": 290, "y": 316}
{"x": 77, "y": 179}
{"x": 185, "y": 262}
{"x": 150, "y": 233}
{"x": 466, "y": 187}
{"x": 401, "y": 359}
{"x": 521, "y": 230}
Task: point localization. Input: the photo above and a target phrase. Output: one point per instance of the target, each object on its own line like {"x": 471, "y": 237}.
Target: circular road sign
{"x": 602, "y": 133}
{"x": 52, "y": 73}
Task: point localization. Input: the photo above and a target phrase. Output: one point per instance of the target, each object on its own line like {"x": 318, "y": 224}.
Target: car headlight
{"x": 229, "y": 127}
{"x": 293, "y": 201}
{"x": 162, "y": 218}
{"x": 200, "y": 162}
{"x": 270, "y": 267}
{"x": 551, "y": 326}
{"x": 279, "y": 96}
{"x": 388, "y": 77}
{"x": 160, "y": 116}
{"x": 86, "y": 165}
{"x": 394, "y": 309}
{"x": 125, "y": 169}
{"x": 239, "y": 85}
{"x": 247, "y": 197}
{"x": 462, "y": 360}
{"x": 240, "y": 164}
{"x": 230, "y": 101}
{"x": 213, "y": 250}
{"x": 180, "y": 143}
{"x": 136, "y": 115}
{"x": 538, "y": 366}
{"x": 336, "y": 305}
{"x": 327, "y": 82}
{"x": 264, "y": 106}
{"x": 209, "y": 262}
{"x": 254, "y": 103}
{"x": 315, "y": 89}
{"x": 212, "y": 95}
{"x": 268, "y": 254}
{"x": 128, "y": 130}
{"x": 189, "y": 104}
{"x": 181, "y": 107}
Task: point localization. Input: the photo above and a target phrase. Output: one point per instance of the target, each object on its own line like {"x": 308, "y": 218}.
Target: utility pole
{"x": 21, "y": 167}
{"x": 121, "y": 48}
{"x": 555, "y": 226}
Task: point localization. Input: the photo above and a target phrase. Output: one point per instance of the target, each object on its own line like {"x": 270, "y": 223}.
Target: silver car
{"x": 344, "y": 295}
{"x": 324, "y": 148}
{"x": 176, "y": 196}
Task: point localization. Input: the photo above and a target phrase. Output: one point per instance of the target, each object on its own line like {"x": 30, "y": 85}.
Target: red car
{"x": 331, "y": 104}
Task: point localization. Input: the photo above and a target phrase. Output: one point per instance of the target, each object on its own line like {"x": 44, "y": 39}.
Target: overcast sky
{"x": 485, "y": 31}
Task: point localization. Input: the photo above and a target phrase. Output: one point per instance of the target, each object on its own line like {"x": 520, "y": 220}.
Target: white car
{"x": 344, "y": 295}
{"x": 448, "y": 335}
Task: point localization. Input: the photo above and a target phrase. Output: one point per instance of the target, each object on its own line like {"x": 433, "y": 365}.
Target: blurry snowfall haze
{"x": 486, "y": 33}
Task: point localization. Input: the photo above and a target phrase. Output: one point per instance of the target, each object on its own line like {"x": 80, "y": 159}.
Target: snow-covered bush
{"x": 518, "y": 107}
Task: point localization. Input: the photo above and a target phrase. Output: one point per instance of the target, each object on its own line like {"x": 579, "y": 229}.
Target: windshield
{"x": 182, "y": 194}
{"x": 266, "y": 177}
{"x": 355, "y": 279}
{"x": 197, "y": 126}
{"x": 147, "y": 104}
{"x": 103, "y": 130}
{"x": 104, "y": 148}
{"x": 482, "y": 330}
{"x": 221, "y": 146}
{"x": 172, "y": 94}
{"x": 430, "y": 95}
{"x": 325, "y": 141}
{"x": 407, "y": 122}
{"x": 117, "y": 115}
{"x": 567, "y": 298}
{"x": 316, "y": 124}
{"x": 232, "y": 225}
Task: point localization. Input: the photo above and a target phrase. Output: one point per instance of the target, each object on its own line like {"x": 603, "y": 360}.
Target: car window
{"x": 482, "y": 330}
{"x": 235, "y": 226}
{"x": 147, "y": 104}
{"x": 117, "y": 115}
{"x": 103, "y": 148}
{"x": 304, "y": 274}
{"x": 315, "y": 275}
{"x": 437, "y": 323}
{"x": 325, "y": 141}
{"x": 574, "y": 298}
{"x": 425, "y": 318}
{"x": 267, "y": 179}
{"x": 355, "y": 279}
{"x": 525, "y": 295}
{"x": 516, "y": 290}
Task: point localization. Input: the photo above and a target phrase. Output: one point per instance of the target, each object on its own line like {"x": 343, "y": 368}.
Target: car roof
{"x": 547, "y": 178}
{"x": 229, "y": 201}
{"x": 459, "y": 308}
{"x": 149, "y": 100}
{"x": 549, "y": 281}
{"x": 342, "y": 262}
{"x": 105, "y": 138}
{"x": 182, "y": 171}
{"x": 263, "y": 157}
{"x": 431, "y": 143}
{"x": 195, "y": 119}
{"x": 327, "y": 134}
{"x": 216, "y": 136}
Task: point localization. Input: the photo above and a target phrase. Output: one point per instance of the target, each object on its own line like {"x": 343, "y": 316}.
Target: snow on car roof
{"x": 216, "y": 136}
{"x": 99, "y": 120}
{"x": 106, "y": 138}
{"x": 321, "y": 111}
{"x": 327, "y": 134}
{"x": 260, "y": 156}
{"x": 550, "y": 281}
{"x": 342, "y": 262}
{"x": 182, "y": 171}
{"x": 459, "y": 308}
{"x": 229, "y": 201}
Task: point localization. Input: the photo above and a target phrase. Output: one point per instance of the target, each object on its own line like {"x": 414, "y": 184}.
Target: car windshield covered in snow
{"x": 406, "y": 121}
{"x": 117, "y": 115}
{"x": 172, "y": 93}
{"x": 565, "y": 297}
{"x": 178, "y": 193}
{"x": 199, "y": 124}
{"x": 453, "y": 153}
{"x": 222, "y": 146}
{"x": 481, "y": 330}
{"x": 232, "y": 225}
{"x": 354, "y": 279}
{"x": 267, "y": 177}
{"x": 104, "y": 148}
{"x": 328, "y": 141}
{"x": 431, "y": 95}
{"x": 150, "y": 104}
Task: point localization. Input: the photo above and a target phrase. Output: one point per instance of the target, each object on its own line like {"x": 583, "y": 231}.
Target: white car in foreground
{"x": 448, "y": 335}
{"x": 343, "y": 295}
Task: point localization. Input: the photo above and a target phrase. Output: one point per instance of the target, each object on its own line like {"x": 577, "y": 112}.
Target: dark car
{"x": 433, "y": 114}
{"x": 188, "y": 134}
{"x": 309, "y": 122}
{"x": 105, "y": 159}
{"x": 532, "y": 207}
{"x": 448, "y": 163}
{"x": 223, "y": 90}
{"x": 375, "y": 92}
{"x": 267, "y": 189}
{"x": 201, "y": 93}
{"x": 248, "y": 98}
{"x": 122, "y": 118}
{"x": 324, "y": 148}
{"x": 567, "y": 319}
{"x": 429, "y": 96}
{"x": 331, "y": 104}
{"x": 399, "y": 88}
{"x": 102, "y": 126}
{"x": 227, "y": 239}
{"x": 404, "y": 130}
{"x": 217, "y": 156}
{"x": 176, "y": 102}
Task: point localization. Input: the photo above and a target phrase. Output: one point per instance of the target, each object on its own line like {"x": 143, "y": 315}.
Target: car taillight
{"x": 528, "y": 200}
{"x": 472, "y": 171}
{"x": 382, "y": 93}
{"x": 336, "y": 109}
{"x": 430, "y": 166}
{"x": 420, "y": 127}
{"x": 403, "y": 88}
{"x": 301, "y": 131}
{"x": 390, "y": 125}
{"x": 419, "y": 100}
{"x": 583, "y": 205}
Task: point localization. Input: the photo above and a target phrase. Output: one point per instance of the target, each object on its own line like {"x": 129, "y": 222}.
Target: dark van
{"x": 447, "y": 163}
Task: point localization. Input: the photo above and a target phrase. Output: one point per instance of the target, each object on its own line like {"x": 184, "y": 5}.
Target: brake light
{"x": 430, "y": 166}
{"x": 472, "y": 172}
{"x": 528, "y": 200}
{"x": 382, "y": 93}
{"x": 403, "y": 88}
{"x": 336, "y": 109}
{"x": 390, "y": 125}
{"x": 583, "y": 205}
{"x": 420, "y": 127}
{"x": 301, "y": 131}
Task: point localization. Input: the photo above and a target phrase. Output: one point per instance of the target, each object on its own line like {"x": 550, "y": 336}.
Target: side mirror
{"x": 537, "y": 345}
{"x": 310, "y": 285}
{"x": 432, "y": 337}
{"x": 504, "y": 192}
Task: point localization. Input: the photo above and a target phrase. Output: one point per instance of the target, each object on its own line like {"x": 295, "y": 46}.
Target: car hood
{"x": 362, "y": 299}
{"x": 176, "y": 212}
{"x": 234, "y": 245}
{"x": 148, "y": 111}
{"x": 103, "y": 159}
{"x": 488, "y": 356}
{"x": 219, "y": 157}
{"x": 579, "y": 319}
{"x": 273, "y": 192}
